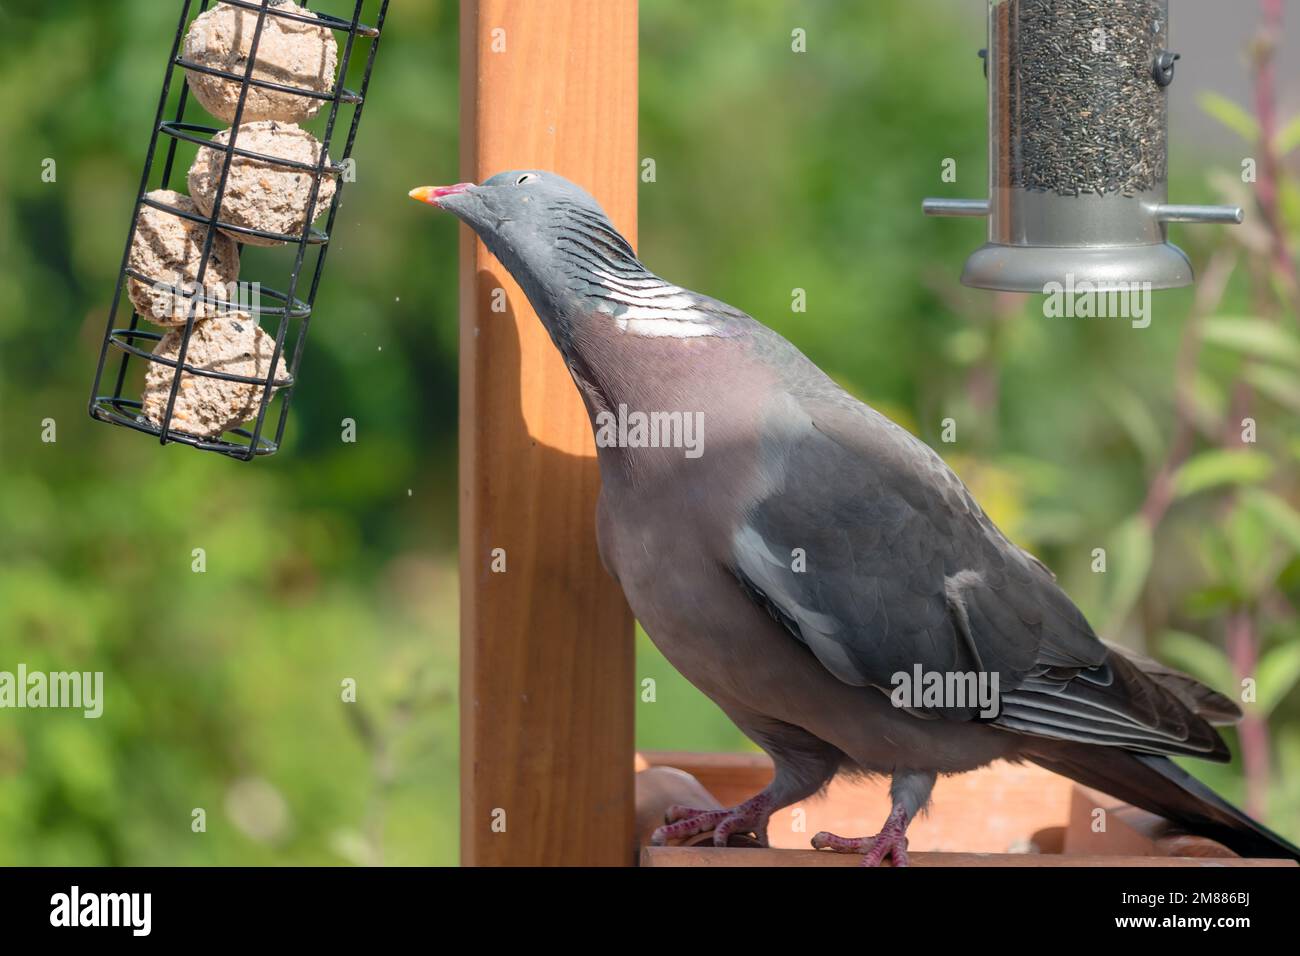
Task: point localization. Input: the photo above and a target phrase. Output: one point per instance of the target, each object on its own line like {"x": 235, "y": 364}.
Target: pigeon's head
{"x": 550, "y": 233}
{"x": 519, "y": 201}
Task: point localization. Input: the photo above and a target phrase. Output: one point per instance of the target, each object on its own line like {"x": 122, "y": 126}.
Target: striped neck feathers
{"x": 602, "y": 271}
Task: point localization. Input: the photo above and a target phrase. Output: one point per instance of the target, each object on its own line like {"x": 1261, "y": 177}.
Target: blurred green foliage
{"x": 774, "y": 171}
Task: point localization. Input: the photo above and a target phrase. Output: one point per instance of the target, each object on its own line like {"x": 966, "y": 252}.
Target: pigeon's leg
{"x": 803, "y": 766}
{"x": 909, "y": 792}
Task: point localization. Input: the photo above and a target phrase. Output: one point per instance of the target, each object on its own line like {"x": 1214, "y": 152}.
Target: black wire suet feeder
{"x": 283, "y": 308}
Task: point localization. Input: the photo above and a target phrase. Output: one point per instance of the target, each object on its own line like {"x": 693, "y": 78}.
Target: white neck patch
{"x": 657, "y": 311}
{"x": 661, "y": 328}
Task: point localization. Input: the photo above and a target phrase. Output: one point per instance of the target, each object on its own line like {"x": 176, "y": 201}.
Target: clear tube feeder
{"x": 1078, "y": 149}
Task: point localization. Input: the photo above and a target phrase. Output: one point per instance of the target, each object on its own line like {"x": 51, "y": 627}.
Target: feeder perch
{"x": 1078, "y": 149}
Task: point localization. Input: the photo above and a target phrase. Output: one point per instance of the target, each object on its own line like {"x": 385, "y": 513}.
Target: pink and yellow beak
{"x": 433, "y": 194}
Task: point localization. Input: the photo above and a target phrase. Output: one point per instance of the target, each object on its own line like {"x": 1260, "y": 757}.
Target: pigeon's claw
{"x": 682, "y": 823}
{"x": 890, "y": 842}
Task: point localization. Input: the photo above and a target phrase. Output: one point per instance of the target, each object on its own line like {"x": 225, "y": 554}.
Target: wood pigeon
{"x": 818, "y": 571}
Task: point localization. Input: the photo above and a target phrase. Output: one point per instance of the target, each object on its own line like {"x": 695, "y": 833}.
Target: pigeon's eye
{"x": 525, "y": 179}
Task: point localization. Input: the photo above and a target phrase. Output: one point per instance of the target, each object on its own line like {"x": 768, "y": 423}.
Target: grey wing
{"x": 871, "y": 552}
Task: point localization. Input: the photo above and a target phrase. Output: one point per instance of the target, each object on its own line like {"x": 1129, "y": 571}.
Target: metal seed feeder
{"x": 1078, "y": 149}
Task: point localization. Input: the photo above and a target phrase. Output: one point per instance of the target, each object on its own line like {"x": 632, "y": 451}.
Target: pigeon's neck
{"x": 568, "y": 269}
{"x": 607, "y": 314}
{"x": 584, "y": 281}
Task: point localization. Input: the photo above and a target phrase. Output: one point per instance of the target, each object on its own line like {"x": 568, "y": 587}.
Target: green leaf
{"x": 1276, "y": 675}
{"x": 1279, "y": 384}
{"x": 1136, "y": 418}
{"x": 1235, "y": 117}
{"x": 1128, "y": 561}
{"x": 1255, "y": 337}
{"x": 1212, "y": 601}
{"x": 1288, "y": 196}
{"x": 966, "y": 346}
{"x": 1288, "y": 760}
{"x": 1212, "y": 469}
{"x": 1289, "y": 137}
{"x": 1277, "y": 511}
{"x": 1209, "y": 402}
{"x": 1198, "y": 657}
{"x": 1251, "y": 547}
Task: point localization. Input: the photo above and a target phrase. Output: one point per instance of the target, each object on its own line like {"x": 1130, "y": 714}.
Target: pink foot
{"x": 890, "y": 842}
{"x": 684, "y": 822}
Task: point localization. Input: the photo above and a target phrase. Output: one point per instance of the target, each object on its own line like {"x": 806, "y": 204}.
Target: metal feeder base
{"x": 1031, "y": 269}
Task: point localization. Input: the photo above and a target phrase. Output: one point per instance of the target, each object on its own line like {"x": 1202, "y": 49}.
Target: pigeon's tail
{"x": 1157, "y": 784}
{"x": 1210, "y": 705}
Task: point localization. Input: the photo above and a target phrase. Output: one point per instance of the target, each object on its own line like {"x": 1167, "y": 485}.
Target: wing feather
{"x": 905, "y": 569}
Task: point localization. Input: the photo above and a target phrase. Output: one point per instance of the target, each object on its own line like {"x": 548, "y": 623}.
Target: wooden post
{"x": 547, "y": 686}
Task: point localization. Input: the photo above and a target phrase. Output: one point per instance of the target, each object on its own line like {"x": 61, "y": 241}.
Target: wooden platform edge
{"x": 1129, "y": 836}
{"x": 717, "y": 857}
